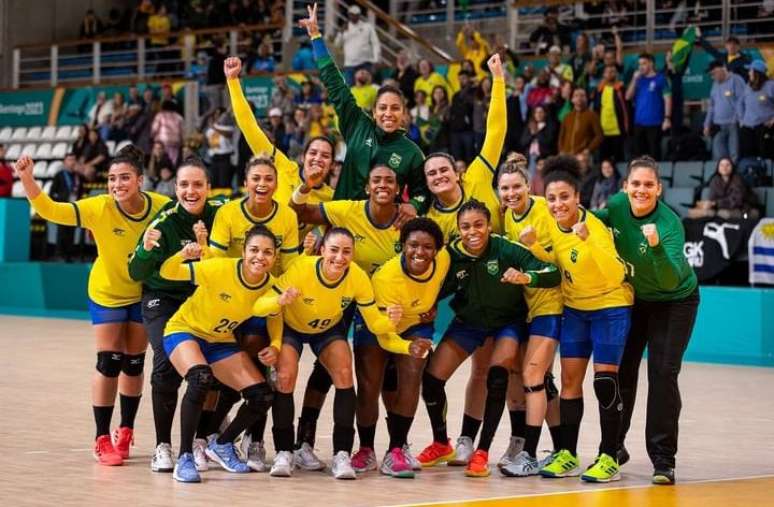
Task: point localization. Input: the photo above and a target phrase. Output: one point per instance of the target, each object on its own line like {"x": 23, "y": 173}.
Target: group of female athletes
{"x": 228, "y": 295}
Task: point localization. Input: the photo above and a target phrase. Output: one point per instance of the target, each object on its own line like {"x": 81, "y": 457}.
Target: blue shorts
{"x": 107, "y": 315}
{"x": 318, "y": 341}
{"x": 549, "y": 326}
{"x": 470, "y": 338}
{"x": 213, "y": 352}
{"x": 252, "y": 326}
{"x": 602, "y": 332}
{"x": 362, "y": 336}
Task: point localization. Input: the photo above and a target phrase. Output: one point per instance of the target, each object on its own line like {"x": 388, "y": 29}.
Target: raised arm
{"x": 176, "y": 269}
{"x": 497, "y": 118}
{"x": 63, "y": 213}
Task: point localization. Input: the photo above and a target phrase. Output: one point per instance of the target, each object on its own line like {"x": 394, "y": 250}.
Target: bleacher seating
{"x": 13, "y": 152}
{"x": 64, "y": 133}
{"x": 679, "y": 199}
{"x": 34, "y": 134}
{"x": 665, "y": 172}
{"x": 29, "y": 149}
{"x": 44, "y": 151}
{"x": 19, "y": 134}
{"x": 5, "y": 134}
{"x": 59, "y": 151}
{"x": 40, "y": 169}
{"x": 688, "y": 174}
{"x": 53, "y": 168}
{"x": 48, "y": 134}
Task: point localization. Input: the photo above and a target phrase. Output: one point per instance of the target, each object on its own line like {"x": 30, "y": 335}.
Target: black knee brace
{"x": 497, "y": 383}
{"x": 258, "y": 397}
{"x": 319, "y": 380}
{"x": 606, "y": 389}
{"x": 551, "y": 390}
{"x": 109, "y": 363}
{"x": 534, "y": 389}
{"x": 390, "y": 382}
{"x": 432, "y": 387}
{"x": 133, "y": 364}
{"x": 200, "y": 382}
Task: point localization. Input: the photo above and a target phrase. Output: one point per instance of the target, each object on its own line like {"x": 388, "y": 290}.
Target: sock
{"x": 102, "y": 416}
{"x": 257, "y": 429}
{"x": 190, "y": 411}
{"x": 344, "y": 404}
{"x": 470, "y": 426}
{"x": 531, "y": 439}
{"x": 257, "y": 401}
{"x": 497, "y": 387}
{"x": 571, "y": 414}
{"x": 226, "y": 400}
{"x": 434, "y": 394}
{"x": 518, "y": 423}
{"x": 366, "y": 434}
{"x": 164, "y": 405}
{"x": 205, "y": 423}
{"x": 129, "y": 406}
{"x": 556, "y": 439}
{"x": 610, "y": 411}
{"x": 307, "y": 426}
{"x": 282, "y": 413}
{"x": 399, "y": 426}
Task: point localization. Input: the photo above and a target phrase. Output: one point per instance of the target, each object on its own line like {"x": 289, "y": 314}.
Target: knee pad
{"x": 319, "y": 379}
{"x": 133, "y": 364}
{"x": 258, "y": 397}
{"x": 551, "y": 390}
{"x": 497, "y": 382}
{"x": 200, "y": 382}
{"x": 390, "y": 382}
{"x": 432, "y": 387}
{"x": 109, "y": 363}
{"x": 606, "y": 389}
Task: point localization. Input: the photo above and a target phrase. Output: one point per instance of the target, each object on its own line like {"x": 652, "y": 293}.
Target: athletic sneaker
{"x": 105, "y": 453}
{"x": 664, "y": 476}
{"x": 185, "y": 469}
{"x": 123, "y": 438}
{"x": 225, "y": 455}
{"x": 306, "y": 459}
{"x": 364, "y": 460}
{"x": 522, "y": 465}
{"x": 395, "y": 464}
{"x": 604, "y": 469}
{"x": 342, "y": 466}
{"x": 413, "y": 461}
{"x": 622, "y": 456}
{"x": 200, "y": 454}
{"x": 515, "y": 446}
{"x": 563, "y": 464}
{"x": 162, "y": 459}
{"x": 436, "y": 453}
{"x": 463, "y": 452}
{"x": 283, "y": 464}
{"x": 254, "y": 453}
{"x": 478, "y": 466}
{"x": 545, "y": 460}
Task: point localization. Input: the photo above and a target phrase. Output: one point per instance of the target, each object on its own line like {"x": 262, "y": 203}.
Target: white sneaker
{"x": 283, "y": 464}
{"x": 522, "y": 465}
{"x": 306, "y": 459}
{"x": 412, "y": 460}
{"x": 462, "y": 452}
{"x": 514, "y": 448}
{"x": 254, "y": 454}
{"x": 199, "y": 454}
{"x": 162, "y": 459}
{"x": 342, "y": 466}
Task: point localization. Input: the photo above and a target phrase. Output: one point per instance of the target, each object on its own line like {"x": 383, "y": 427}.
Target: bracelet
{"x": 299, "y": 197}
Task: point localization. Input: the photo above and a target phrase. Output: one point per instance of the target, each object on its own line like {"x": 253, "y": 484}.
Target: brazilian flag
{"x": 681, "y": 49}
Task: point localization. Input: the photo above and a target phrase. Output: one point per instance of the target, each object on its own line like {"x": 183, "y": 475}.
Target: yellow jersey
{"x": 593, "y": 275}
{"x": 374, "y": 244}
{"x": 322, "y": 303}
{"x": 477, "y": 181}
{"x": 116, "y": 234}
{"x": 222, "y": 300}
{"x": 539, "y": 301}
{"x": 233, "y": 220}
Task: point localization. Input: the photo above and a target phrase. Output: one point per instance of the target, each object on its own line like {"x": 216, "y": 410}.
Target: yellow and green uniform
{"x": 476, "y": 183}
{"x": 116, "y": 234}
{"x": 429, "y": 83}
{"x": 233, "y": 220}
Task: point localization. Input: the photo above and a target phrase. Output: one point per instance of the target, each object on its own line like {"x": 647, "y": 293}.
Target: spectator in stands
{"x": 541, "y": 93}
{"x": 91, "y": 26}
{"x": 610, "y": 103}
{"x": 560, "y": 72}
{"x": 67, "y": 186}
{"x": 135, "y": 97}
{"x": 406, "y": 75}
{"x": 101, "y": 110}
{"x": 363, "y": 90}
{"x": 362, "y": 49}
{"x": 420, "y": 117}
{"x": 166, "y": 184}
{"x": 605, "y": 185}
{"x": 602, "y": 56}
{"x": 283, "y": 96}
{"x": 114, "y": 26}
{"x": 536, "y": 183}
{"x": 253, "y": 12}
{"x": 118, "y": 105}
{"x": 437, "y": 134}
{"x": 297, "y": 132}
{"x": 588, "y": 177}
{"x": 155, "y": 162}
{"x": 159, "y": 25}
{"x": 428, "y": 79}
{"x": 264, "y": 61}
{"x": 461, "y": 135}
{"x": 276, "y": 129}
{"x": 563, "y": 104}
{"x": 220, "y": 148}
{"x": 580, "y": 61}
{"x": 538, "y": 140}
{"x": 81, "y": 140}
{"x": 137, "y": 126}
{"x": 168, "y": 95}
{"x": 141, "y": 15}
{"x": 721, "y": 123}
{"x": 550, "y": 33}
{"x": 652, "y": 98}
{"x": 615, "y": 13}
{"x": 309, "y": 95}
{"x": 756, "y": 114}
{"x": 472, "y": 46}
{"x": 6, "y": 174}
{"x": 95, "y": 156}
{"x": 167, "y": 127}
{"x": 216, "y": 82}
{"x": 150, "y": 102}
{"x": 231, "y": 17}
{"x": 736, "y": 61}
{"x": 517, "y": 111}
{"x": 198, "y": 70}
{"x": 729, "y": 195}
{"x": 480, "y": 110}
{"x": 304, "y": 58}
{"x": 580, "y": 130}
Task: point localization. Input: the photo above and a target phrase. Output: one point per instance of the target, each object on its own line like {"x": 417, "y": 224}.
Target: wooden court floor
{"x": 726, "y": 453}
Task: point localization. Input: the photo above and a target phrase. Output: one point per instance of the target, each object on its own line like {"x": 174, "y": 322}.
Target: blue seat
{"x": 770, "y": 202}
{"x": 688, "y": 174}
{"x": 679, "y": 199}
{"x": 709, "y": 169}
{"x": 762, "y": 193}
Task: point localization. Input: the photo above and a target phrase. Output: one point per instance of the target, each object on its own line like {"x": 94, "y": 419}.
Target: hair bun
{"x": 562, "y": 163}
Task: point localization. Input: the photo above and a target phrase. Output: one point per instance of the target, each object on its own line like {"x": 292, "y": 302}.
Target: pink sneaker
{"x": 364, "y": 460}
{"x": 395, "y": 464}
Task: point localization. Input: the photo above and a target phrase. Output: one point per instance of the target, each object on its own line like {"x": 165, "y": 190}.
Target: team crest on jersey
{"x": 643, "y": 248}
{"x": 369, "y": 142}
{"x": 345, "y": 302}
{"x": 415, "y": 303}
{"x": 574, "y": 255}
{"x": 394, "y": 161}
{"x": 358, "y": 238}
{"x": 397, "y": 247}
{"x": 493, "y": 267}
{"x": 616, "y": 232}
{"x": 279, "y": 240}
{"x": 308, "y": 301}
{"x": 225, "y": 297}
{"x": 118, "y": 231}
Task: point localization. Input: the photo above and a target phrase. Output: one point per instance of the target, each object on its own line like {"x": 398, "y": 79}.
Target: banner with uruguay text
{"x": 25, "y": 108}
{"x": 761, "y": 253}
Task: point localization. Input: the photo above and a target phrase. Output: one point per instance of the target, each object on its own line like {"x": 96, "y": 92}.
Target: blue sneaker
{"x": 225, "y": 455}
{"x": 185, "y": 469}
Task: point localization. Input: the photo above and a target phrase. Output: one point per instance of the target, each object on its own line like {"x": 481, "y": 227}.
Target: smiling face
{"x": 382, "y": 185}
{"x": 191, "y": 188}
{"x": 643, "y": 188}
{"x": 563, "y": 201}
{"x": 337, "y": 253}
{"x": 388, "y": 111}
{"x": 259, "y": 255}
{"x": 474, "y": 230}
{"x": 424, "y": 68}
{"x": 261, "y": 182}
{"x": 607, "y": 169}
{"x": 725, "y": 167}
{"x": 440, "y": 175}
{"x": 513, "y": 191}
{"x": 319, "y": 155}
{"x": 419, "y": 251}
{"x": 123, "y": 182}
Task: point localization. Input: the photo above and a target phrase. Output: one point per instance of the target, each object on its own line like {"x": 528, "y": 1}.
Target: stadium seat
{"x": 710, "y": 166}
{"x": 44, "y": 151}
{"x": 17, "y": 190}
{"x": 53, "y": 168}
{"x": 679, "y": 199}
{"x": 665, "y": 173}
{"x": 48, "y": 134}
{"x": 705, "y": 193}
{"x": 688, "y": 174}
{"x": 39, "y": 170}
{"x": 59, "y": 151}
{"x": 122, "y": 144}
{"x": 5, "y": 134}
{"x": 47, "y": 186}
{"x": 19, "y": 134}
{"x": 34, "y": 133}
{"x": 761, "y": 193}
{"x": 770, "y": 203}
{"x": 29, "y": 150}
{"x": 63, "y": 133}
{"x": 111, "y": 146}
{"x": 13, "y": 152}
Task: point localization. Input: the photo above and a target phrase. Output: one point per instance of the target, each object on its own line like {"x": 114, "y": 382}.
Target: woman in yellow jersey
{"x": 596, "y": 319}
{"x": 325, "y": 286}
{"x": 530, "y": 213}
{"x": 117, "y": 220}
{"x": 450, "y": 191}
{"x": 412, "y": 280}
{"x": 200, "y": 343}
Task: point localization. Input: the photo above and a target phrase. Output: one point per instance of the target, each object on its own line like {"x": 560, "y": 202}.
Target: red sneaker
{"x": 123, "y": 438}
{"x": 478, "y": 466}
{"x": 436, "y": 453}
{"x": 105, "y": 453}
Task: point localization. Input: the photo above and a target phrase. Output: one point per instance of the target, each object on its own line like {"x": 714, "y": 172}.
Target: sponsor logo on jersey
{"x": 493, "y": 267}
{"x": 225, "y": 297}
{"x": 359, "y": 238}
{"x": 118, "y": 231}
{"x": 415, "y": 303}
{"x": 394, "y": 161}
{"x": 153, "y": 303}
{"x": 574, "y": 255}
{"x": 308, "y": 301}
{"x": 184, "y": 242}
{"x": 461, "y": 275}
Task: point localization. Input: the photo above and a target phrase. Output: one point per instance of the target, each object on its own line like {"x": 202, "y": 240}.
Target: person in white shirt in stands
{"x": 361, "y": 45}
{"x": 220, "y": 148}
